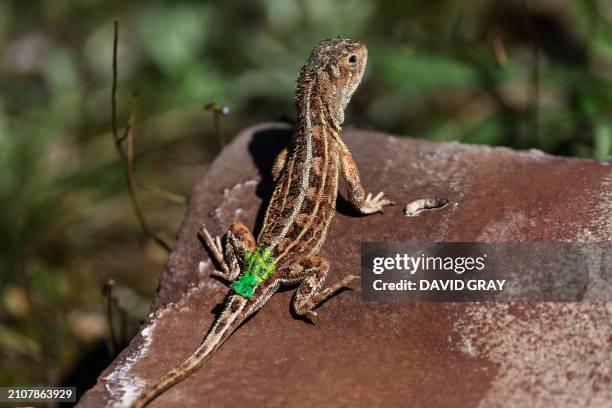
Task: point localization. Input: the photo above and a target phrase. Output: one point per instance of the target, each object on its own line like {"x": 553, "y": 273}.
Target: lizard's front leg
{"x": 238, "y": 240}
{"x": 308, "y": 296}
{"x": 356, "y": 196}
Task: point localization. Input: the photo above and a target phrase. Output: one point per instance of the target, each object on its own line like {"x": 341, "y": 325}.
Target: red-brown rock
{"x": 391, "y": 354}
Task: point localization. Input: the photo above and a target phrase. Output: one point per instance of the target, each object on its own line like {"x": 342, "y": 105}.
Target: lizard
{"x": 299, "y": 213}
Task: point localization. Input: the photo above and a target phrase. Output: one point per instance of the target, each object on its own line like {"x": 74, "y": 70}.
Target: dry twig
{"x": 128, "y": 158}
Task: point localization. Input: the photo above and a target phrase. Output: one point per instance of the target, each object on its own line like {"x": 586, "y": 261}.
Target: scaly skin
{"x": 301, "y": 208}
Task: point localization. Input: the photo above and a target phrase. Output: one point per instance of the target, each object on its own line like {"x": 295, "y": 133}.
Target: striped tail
{"x": 220, "y": 331}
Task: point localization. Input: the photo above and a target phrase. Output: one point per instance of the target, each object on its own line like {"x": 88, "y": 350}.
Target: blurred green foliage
{"x": 524, "y": 74}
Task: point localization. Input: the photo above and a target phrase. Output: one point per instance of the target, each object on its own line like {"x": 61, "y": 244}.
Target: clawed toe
{"x": 216, "y": 249}
{"x": 374, "y": 204}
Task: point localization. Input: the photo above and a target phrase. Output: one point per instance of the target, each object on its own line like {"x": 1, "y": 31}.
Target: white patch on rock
{"x": 203, "y": 266}
{"x": 231, "y": 199}
{"x": 388, "y": 164}
{"x": 122, "y": 386}
{"x": 504, "y": 229}
{"x": 558, "y": 354}
{"x": 536, "y": 153}
{"x": 468, "y": 348}
{"x": 600, "y": 227}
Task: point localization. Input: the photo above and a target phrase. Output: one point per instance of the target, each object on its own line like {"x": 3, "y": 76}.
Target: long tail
{"x": 220, "y": 331}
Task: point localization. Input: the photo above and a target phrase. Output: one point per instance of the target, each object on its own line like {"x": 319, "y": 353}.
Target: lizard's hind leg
{"x": 238, "y": 240}
{"x": 309, "y": 295}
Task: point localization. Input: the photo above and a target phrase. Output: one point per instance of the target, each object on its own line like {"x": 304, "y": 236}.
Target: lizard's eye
{"x": 352, "y": 59}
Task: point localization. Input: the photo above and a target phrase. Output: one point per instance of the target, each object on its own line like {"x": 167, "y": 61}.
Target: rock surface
{"x": 392, "y": 354}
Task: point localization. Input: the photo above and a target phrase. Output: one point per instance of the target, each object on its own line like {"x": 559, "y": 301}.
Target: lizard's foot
{"x": 216, "y": 249}
{"x": 306, "y": 308}
{"x": 309, "y": 296}
{"x": 375, "y": 204}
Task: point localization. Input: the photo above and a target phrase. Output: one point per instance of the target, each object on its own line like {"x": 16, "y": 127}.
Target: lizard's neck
{"x": 317, "y": 108}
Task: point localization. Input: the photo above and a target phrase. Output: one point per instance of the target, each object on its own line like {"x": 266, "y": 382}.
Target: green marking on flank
{"x": 258, "y": 266}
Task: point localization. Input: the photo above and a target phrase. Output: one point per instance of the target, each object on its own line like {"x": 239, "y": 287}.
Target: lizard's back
{"x": 304, "y": 199}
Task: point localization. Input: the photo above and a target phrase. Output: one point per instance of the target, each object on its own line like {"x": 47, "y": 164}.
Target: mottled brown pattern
{"x": 317, "y": 199}
{"x": 233, "y": 307}
{"x": 301, "y": 208}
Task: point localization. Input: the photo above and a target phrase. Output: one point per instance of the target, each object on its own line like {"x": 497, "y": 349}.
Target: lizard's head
{"x": 333, "y": 71}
